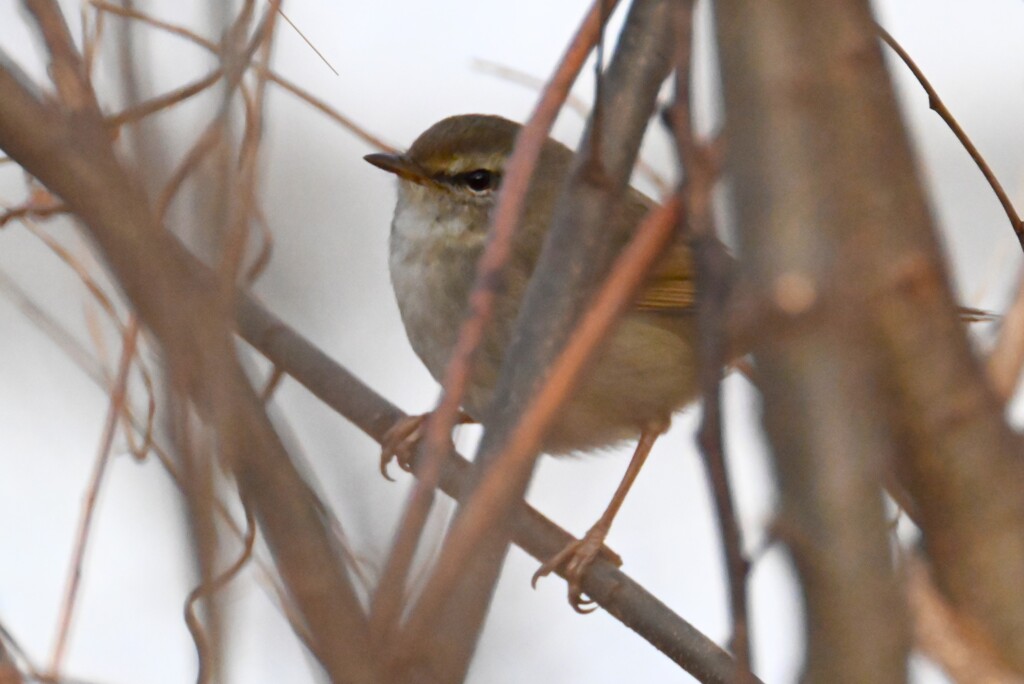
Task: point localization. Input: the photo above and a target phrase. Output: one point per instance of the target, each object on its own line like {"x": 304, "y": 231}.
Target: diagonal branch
{"x": 578, "y": 252}
{"x": 620, "y": 595}
{"x": 608, "y": 586}
{"x": 518, "y": 174}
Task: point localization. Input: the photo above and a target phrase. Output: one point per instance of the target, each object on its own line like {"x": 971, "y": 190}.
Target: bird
{"x": 642, "y": 373}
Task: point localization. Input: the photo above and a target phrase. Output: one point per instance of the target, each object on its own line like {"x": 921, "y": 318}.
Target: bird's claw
{"x": 399, "y": 443}
{"x": 574, "y": 561}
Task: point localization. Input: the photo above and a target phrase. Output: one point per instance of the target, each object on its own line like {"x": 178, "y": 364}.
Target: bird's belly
{"x": 629, "y": 389}
{"x": 430, "y": 311}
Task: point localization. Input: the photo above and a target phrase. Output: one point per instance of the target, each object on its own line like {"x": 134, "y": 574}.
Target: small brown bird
{"x": 644, "y": 372}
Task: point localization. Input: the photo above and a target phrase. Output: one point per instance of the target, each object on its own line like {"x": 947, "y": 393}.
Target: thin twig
{"x": 277, "y": 79}
{"x": 156, "y": 23}
{"x": 116, "y": 405}
{"x": 263, "y": 254}
{"x": 308, "y": 42}
{"x": 64, "y": 340}
{"x": 575, "y": 104}
{"x": 210, "y": 587}
{"x": 32, "y": 210}
{"x": 712, "y": 266}
{"x": 106, "y": 304}
{"x": 244, "y": 205}
{"x": 204, "y": 144}
{"x": 164, "y": 101}
{"x": 940, "y": 108}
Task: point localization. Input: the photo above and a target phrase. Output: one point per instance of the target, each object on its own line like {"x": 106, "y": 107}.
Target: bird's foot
{"x": 401, "y": 440}
{"x": 399, "y": 443}
{"x": 574, "y": 561}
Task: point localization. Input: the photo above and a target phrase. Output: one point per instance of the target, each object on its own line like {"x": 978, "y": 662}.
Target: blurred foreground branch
{"x": 577, "y": 255}
{"x": 873, "y": 370}
{"x": 68, "y": 148}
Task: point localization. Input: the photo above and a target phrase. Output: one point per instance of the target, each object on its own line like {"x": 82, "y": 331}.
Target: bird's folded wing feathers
{"x": 670, "y": 288}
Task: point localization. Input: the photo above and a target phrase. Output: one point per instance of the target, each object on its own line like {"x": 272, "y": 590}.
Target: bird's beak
{"x": 400, "y": 166}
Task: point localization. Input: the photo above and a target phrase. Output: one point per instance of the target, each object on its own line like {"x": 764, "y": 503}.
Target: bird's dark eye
{"x": 480, "y": 180}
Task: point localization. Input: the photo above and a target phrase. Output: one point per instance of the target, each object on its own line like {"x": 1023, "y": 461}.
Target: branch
{"x": 713, "y": 273}
{"x": 115, "y": 408}
{"x": 619, "y": 594}
{"x": 940, "y": 108}
{"x": 578, "y": 251}
{"x": 944, "y": 637}
{"x": 71, "y": 154}
{"x": 801, "y": 140}
{"x": 608, "y": 586}
{"x": 516, "y": 182}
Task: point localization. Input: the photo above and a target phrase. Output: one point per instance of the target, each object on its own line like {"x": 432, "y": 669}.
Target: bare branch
{"x": 713, "y": 272}
{"x": 116, "y": 406}
{"x": 800, "y": 105}
{"x": 510, "y": 208}
{"x": 940, "y": 108}
{"x": 579, "y": 249}
{"x": 77, "y": 163}
{"x": 612, "y": 589}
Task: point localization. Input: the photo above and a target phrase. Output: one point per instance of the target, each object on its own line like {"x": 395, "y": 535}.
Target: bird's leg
{"x": 402, "y": 438}
{"x": 576, "y": 557}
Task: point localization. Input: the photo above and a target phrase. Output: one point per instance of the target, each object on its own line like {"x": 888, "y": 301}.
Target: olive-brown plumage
{"x": 645, "y": 370}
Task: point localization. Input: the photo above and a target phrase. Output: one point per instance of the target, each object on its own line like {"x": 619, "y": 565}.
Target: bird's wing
{"x": 670, "y": 288}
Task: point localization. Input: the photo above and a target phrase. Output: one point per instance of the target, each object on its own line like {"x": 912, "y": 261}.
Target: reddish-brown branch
{"x": 609, "y": 303}
{"x": 32, "y": 210}
{"x": 515, "y": 183}
{"x": 174, "y": 29}
{"x": 165, "y": 101}
{"x": 578, "y": 251}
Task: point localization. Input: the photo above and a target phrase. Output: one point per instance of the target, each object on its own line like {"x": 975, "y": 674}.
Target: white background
{"x": 404, "y": 65}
